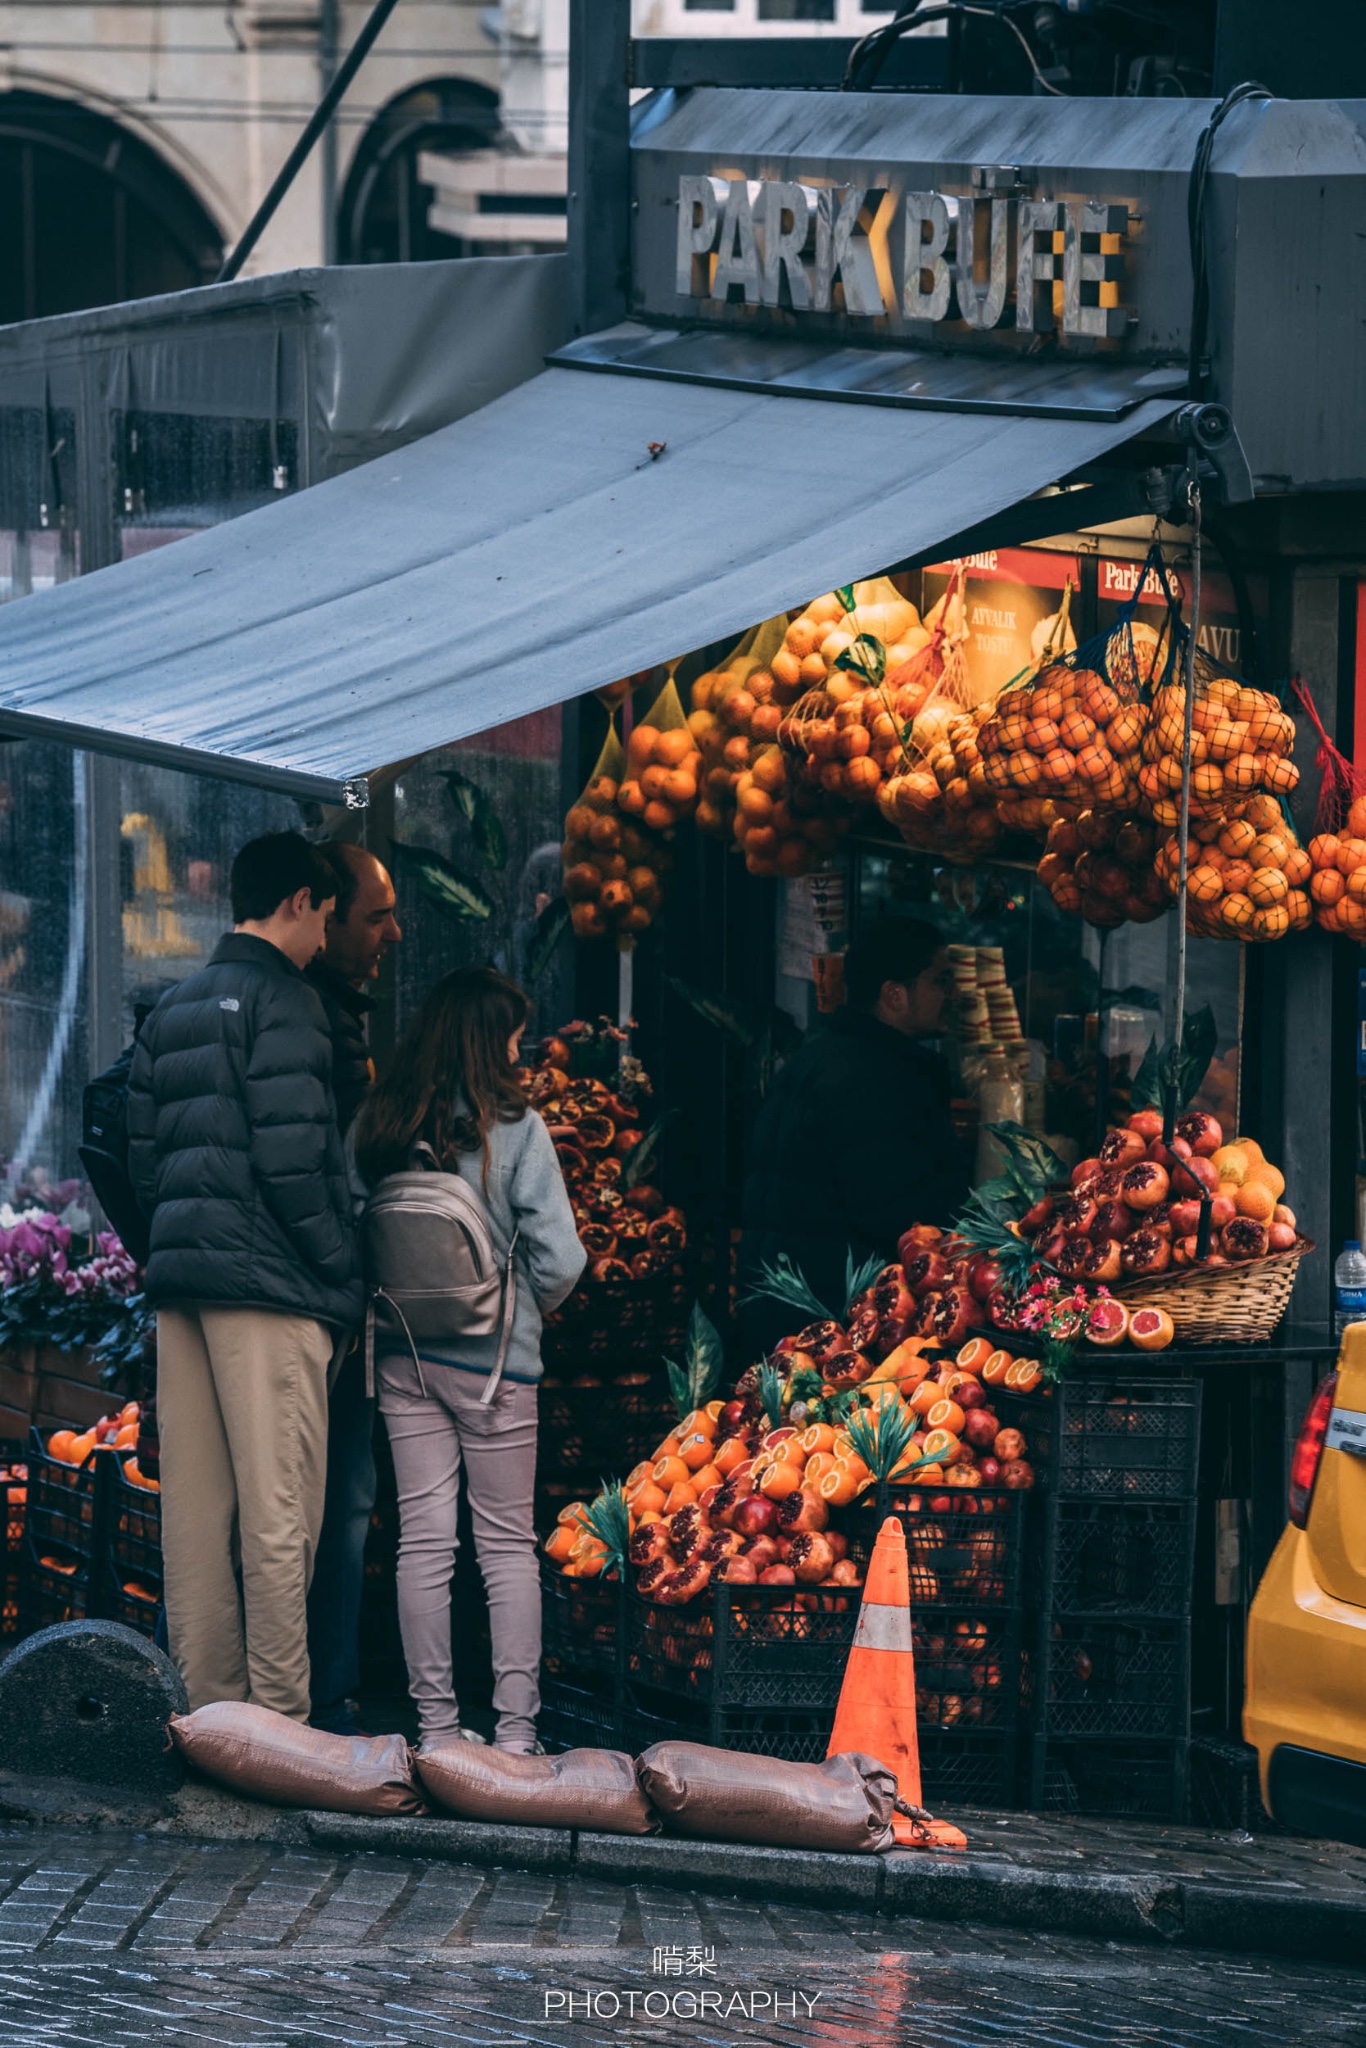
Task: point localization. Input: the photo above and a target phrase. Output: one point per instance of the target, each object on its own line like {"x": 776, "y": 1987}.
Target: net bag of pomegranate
{"x": 1100, "y": 866}
{"x": 267, "y": 1756}
{"x": 736, "y": 709}
{"x": 614, "y": 866}
{"x": 844, "y": 1805}
{"x": 663, "y": 765}
{"x": 583, "y": 1788}
{"x": 782, "y": 825}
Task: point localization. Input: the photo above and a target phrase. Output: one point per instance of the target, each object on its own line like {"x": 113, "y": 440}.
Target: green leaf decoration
{"x": 880, "y": 1437}
{"x": 771, "y": 1384}
{"x": 782, "y": 1281}
{"x": 985, "y": 1226}
{"x": 610, "y": 1521}
{"x": 477, "y": 807}
{"x": 442, "y": 883}
{"x": 642, "y": 1156}
{"x": 857, "y": 1278}
{"x": 694, "y": 1381}
{"x": 551, "y": 926}
{"x": 1032, "y": 1167}
{"x": 1162, "y": 1065}
{"x": 864, "y": 656}
{"x": 845, "y": 594}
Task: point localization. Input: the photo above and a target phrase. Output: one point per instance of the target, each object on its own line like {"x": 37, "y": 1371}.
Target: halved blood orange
{"x": 1107, "y": 1321}
{"x": 974, "y": 1354}
{"x": 996, "y": 1367}
{"x": 1151, "y": 1329}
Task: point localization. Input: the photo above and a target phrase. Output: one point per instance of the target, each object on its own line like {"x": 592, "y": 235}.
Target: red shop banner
{"x": 1008, "y": 594}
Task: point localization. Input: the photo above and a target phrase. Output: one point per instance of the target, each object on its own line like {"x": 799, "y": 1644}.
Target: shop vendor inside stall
{"x": 831, "y": 1180}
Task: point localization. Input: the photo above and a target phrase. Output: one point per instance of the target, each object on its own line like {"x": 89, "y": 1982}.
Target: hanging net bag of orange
{"x": 736, "y": 709}
{"x": 614, "y": 867}
{"x": 663, "y": 765}
{"x": 1337, "y": 851}
{"x": 842, "y": 735}
{"x": 936, "y": 793}
{"x": 1247, "y": 877}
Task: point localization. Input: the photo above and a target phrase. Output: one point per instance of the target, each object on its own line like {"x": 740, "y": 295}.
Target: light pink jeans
{"x": 432, "y": 1435}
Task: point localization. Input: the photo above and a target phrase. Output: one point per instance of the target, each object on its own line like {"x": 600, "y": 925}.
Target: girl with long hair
{"x": 453, "y": 1085}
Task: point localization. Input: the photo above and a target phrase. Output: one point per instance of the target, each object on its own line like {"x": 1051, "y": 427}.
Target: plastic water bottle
{"x": 1349, "y": 1286}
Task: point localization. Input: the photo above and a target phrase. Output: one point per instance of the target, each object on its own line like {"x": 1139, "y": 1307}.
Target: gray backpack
{"x": 431, "y": 1266}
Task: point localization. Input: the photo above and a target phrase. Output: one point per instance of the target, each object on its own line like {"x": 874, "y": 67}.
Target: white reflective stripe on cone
{"x": 882, "y": 1628}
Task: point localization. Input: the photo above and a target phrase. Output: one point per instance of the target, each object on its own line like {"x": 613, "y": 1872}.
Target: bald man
{"x": 360, "y": 931}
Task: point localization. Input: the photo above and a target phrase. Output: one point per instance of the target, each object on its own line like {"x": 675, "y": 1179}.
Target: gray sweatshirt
{"x": 525, "y": 1192}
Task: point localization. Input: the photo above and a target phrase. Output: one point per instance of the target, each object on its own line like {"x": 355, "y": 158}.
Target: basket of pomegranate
{"x": 1195, "y": 1231}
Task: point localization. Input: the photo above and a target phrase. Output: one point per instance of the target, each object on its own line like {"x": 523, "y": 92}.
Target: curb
{"x": 1262, "y": 1919}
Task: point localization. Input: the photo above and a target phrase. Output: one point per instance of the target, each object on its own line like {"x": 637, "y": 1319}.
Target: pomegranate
{"x": 919, "y": 1238}
{"x": 1074, "y": 1213}
{"x": 1145, "y": 1185}
{"x": 1050, "y": 1244}
{"x": 953, "y": 1318}
{"x": 652, "y": 1575}
{"x": 778, "y": 1575}
{"x": 846, "y": 1573}
{"x": 1034, "y": 1219}
{"x": 864, "y": 1325}
{"x": 1201, "y": 1132}
{"x": 984, "y": 1277}
{"x": 1009, "y": 1444}
{"x": 969, "y": 1394}
{"x": 650, "y": 1542}
{"x": 1147, "y": 1251}
{"x": 1106, "y": 1261}
{"x": 688, "y": 1530}
{"x": 839, "y": 1544}
{"x": 1084, "y": 1173}
{"x": 1282, "y": 1215}
{"x": 1168, "y": 1156}
{"x": 1194, "y": 1177}
{"x": 756, "y": 1515}
{"x": 648, "y": 1200}
{"x": 761, "y": 1551}
{"x": 926, "y": 1273}
{"x": 980, "y": 1428}
{"x": 1280, "y": 1237}
{"x": 1122, "y": 1148}
{"x": 1185, "y": 1218}
{"x": 1148, "y": 1124}
{"x": 990, "y": 1469}
{"x": 921, "y": 1324}
{"x": 820, "y": 1344}
{"x": 1159, "y": 1217}
{"x": 811, "y": 1558}
{"x": 1223, "y": 1209}
{"x": 1244, "y": 1239}
{"x": 1016, "y": 1473}
{"x": 731, "y": 1420}
{"x": 677, "y": 1588}
{"x": 1074, "y": 1256}
{"x": 721, "y": 1544}
{"x": 737, "y": 1571}
{"x": 802, "y": 1513}
{"x": 613, "y": 1274}
{"x": 1113, "y": 1219}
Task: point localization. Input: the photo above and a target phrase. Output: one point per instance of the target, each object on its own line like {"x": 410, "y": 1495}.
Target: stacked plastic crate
{"x": 1111, "y": 1678}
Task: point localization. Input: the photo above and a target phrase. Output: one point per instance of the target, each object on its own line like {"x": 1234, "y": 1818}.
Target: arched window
{"x": 89, "y": 214}
{"x": 384, "y": 206}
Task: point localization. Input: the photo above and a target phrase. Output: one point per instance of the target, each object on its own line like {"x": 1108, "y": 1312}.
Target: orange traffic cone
{"x": 876, "y": 1713}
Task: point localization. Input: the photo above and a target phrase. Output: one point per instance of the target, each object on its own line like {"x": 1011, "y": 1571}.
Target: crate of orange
{"x": 580, "y": 1627}
{"x": 745, "y": 1646}
{"x": 133, "y": 1570}
{"x": 14, "y": 1479}
{"x": 63, "y": 1515}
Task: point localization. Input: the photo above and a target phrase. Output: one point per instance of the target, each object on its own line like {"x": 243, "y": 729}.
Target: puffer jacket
{"x": 233, "y": 1143}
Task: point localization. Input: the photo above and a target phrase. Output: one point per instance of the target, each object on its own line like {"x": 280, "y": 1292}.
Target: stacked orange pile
{"x": 1246, "y": 879}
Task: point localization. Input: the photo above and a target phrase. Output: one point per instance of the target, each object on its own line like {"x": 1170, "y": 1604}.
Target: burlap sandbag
{"x": 844, "y": 1804}
{"x": 268, "y": 1756}
{"x": 584, "y": 1788}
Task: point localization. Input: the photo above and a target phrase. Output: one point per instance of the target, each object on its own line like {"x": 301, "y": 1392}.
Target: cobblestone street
{"x": 108, "y": 1940}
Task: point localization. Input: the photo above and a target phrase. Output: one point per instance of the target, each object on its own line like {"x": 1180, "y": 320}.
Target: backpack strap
{"x": 380, "y": 1295}
{"x": 505, "y": 1334}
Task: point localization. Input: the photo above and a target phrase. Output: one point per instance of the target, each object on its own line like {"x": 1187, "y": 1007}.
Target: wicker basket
{"x": 1239, "y": 1304}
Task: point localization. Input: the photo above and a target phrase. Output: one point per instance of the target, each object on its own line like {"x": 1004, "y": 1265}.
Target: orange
{"x": 667, "y": 1448}
{"x": 946, "y": 1415}
{"x": 1255, "y": 1199}
{"x": 137, "y": 1478}
{"x": 126, "y": 1439}
{"x": 573, "y": 1514}
{"x": 681, "y": 1496}
{"x": 637, "y": 1476}
{"x": 996, "y": 1368}
{"x": 82, "y": 1446}
{"x": 707, "y": 1477}
{"x": 942, "y": 1444}
{"x": 780, "y": 1480}
{"x": 839, "y": 1487}
{"x": 671, "y": 1471}
{"x": 60, "y": 1445}
{"x": 820, "y": 1437}
{"x": 817, "y": 1465}
{"x": 974, "y": 1355}
{"x": 130, "y": 1411}
{"x": 647, "y": 1497}
{"x": 695, "y": 1451}
{"x": 560, "y": 1543}
{"x": 1269, "y": 1176}
{"x": 702, "y": 1422}
{"x": 731, "y": 1453}
{"x": 926, "y": 1395}
{"x": 1231, "y": 1163}
{"x": 1024, "y": 1375}
{"x": 644, "y": 1521}
{"x": 673, "y": 748}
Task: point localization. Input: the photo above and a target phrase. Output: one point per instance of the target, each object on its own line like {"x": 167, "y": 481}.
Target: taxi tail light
{"x": 1308, "y": 1451}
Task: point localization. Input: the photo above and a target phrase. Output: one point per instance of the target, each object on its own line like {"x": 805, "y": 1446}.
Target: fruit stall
{"x": 901, "y": 538}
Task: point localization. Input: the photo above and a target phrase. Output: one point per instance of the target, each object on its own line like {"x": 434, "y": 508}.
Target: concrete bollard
{"x": 89, "y": 1700}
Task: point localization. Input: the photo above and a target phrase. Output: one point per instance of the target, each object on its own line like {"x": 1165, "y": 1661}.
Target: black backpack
{"x": 104, "y": 1147}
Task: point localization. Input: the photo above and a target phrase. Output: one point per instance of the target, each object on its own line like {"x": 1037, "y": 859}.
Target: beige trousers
{"x": 242, "y": 1410}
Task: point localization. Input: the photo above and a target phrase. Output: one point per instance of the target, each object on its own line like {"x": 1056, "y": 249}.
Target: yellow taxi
{"x": 1305, "y": 1710}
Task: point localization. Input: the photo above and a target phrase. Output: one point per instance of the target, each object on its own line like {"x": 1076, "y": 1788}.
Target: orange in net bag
{"x": 1337, "y": 851}
{"x": 1241, "y": 741}
{"x": 1099, "y": 866}
{"x": 936, "y": 792}
{"x": 736, "y": 709}
{"x": 663, "y": 765}
{"x": 844, "y": 734}
{"x": 1246, "y": 877}
{"x": 781, "y": 828}
{"x": 614, "y": 868}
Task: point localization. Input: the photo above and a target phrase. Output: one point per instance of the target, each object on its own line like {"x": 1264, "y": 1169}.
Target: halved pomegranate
{"x": 1145, "y": 1185}
{"x": 1147, "y": 1251}
{"x": 1113, "y": 1219}
{"x": 1034, "y": 1219}
{"x": 1244, "y": 1239}
{"x": 1074, "y": 1213}
{"x": 926, "y": 1271}
{"x": 1201, "y": 1132}
{"x": 1106, "y": 1260}
{"x": 1122, "y": 1148}
{"x": 953, "y": 1317}
{"x": 1084, "y": 1173}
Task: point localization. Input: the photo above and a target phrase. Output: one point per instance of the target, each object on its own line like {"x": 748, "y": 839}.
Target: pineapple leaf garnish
{"x": 609, "y": 1519}
{"x": 782, "y": 1281}
{"x": 693, "y": 1381}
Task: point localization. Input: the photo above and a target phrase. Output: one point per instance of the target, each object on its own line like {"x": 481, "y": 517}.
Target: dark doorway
{"x": 384, "y": 206}
{"x": 89, "y": 215}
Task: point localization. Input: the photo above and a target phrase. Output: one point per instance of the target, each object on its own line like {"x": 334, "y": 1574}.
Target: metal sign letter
{"x": 924, "y": 257}
{"x": 1035, "y": 268}
{"x": 981, "y": 306}
{"x": 737, "y": 254}
{"x": 783, "y": 246}
{"x": 841, "y": 252}
{"x": 1085, "y": 269}
{"x": 697, "y": 208}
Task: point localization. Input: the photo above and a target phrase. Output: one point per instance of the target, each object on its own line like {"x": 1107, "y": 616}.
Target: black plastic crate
{"x": 1105, "y": 1557}
{"x": 636, "y": 1327}
{"x": 1225, "y": 1790}
{"x": 1116, "y": 1438}
{"x": 801, "y": 1735}
{"x": 60, "y": 1513}
{"x": 598, "y": 1424}
{"x": 14, "y": 1480}
{"x": 755, "y": 1647}
{"x": 967, "y": 1673}
{"x": 1114, "y": 1678}
{"x": 579, "y": 1717}
{"x": 971, "y": 1768}
{"x": 580, "y": 1625}
{"x": 52, "y": 1588}
{"x": 135, "y": 1579}
{"x": 1120, "y": 1780}
{"x": 964, "y": 1545}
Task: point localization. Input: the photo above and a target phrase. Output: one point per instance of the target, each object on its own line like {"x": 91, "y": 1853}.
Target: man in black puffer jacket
{"x": 237, "y": 1160}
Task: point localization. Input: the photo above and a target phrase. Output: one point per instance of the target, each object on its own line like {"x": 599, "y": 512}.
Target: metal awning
{"x": 580, "y": 528}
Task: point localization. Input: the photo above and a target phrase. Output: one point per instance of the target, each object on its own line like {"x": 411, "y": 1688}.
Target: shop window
{"x": 39, "y": 541}
{"x": 796, "y": 10}
{"x": 179, "y": 472}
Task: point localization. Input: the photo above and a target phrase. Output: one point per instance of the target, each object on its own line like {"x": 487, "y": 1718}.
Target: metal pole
{"x": 317, "y": 123}
{"x": 329, "y": 42}
{"x": 1170, "y": 1104}
{"x": 599, "y": 163}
